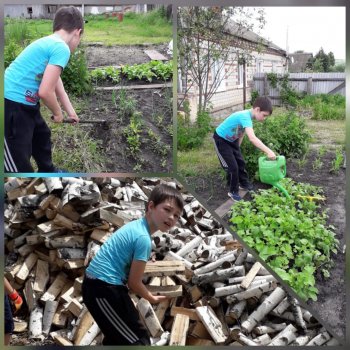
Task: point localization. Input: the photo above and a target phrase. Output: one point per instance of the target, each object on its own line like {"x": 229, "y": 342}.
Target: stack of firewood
{"x": 218, "y": 293}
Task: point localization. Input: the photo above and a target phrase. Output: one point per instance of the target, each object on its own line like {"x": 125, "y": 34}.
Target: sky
{"x": 309, "y": 28}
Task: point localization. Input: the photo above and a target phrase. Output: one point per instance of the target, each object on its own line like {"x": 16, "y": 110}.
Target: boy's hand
{"x": 271, "y": 155}
{"x": 74, "y": 117}
{"x": 158, "y": 298}
{"x": 57, "y": 118}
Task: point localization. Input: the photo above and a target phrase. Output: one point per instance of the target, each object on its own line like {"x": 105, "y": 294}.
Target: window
{"x": 259, "y": 65}
{"x": 218, "y": 71}
{"x": 29, "y": 10}
{"x": 240, "y": 74}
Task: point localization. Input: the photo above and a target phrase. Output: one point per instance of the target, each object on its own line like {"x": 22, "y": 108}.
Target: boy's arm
{"x": 47, "y": 91}
{"x": 135, "y": 283}
{"x": 65, "y": 101}
{"x": 258, "y": 143}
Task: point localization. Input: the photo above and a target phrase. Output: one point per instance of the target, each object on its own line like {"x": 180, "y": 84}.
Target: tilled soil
{"x": 156, "y": 115}
{"x": 117, "y": 55}
{"x": 331, "y": 302}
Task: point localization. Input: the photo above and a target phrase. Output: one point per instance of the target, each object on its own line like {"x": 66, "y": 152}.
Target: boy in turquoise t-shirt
{"x": 228, "y": 137}
{"x": 34, "y": 75}
{"x": 119, "y": 265}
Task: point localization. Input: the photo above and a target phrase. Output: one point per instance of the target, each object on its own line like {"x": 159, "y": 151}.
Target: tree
{"x": 331, "y": 59}
{"x": 209, "y": 44}
{"x": 324, "y": 58}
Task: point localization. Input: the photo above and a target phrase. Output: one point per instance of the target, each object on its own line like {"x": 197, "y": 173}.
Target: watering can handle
{"x": 277, "y": 156}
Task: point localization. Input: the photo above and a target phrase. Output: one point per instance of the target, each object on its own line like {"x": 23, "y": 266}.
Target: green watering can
{"x": 272, "y": 171}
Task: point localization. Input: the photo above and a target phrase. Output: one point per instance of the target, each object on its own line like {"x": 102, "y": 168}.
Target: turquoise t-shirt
{"x": 112, "y": 262}
{"x": 233, "y": 126}
{"x": 24, "y": 75}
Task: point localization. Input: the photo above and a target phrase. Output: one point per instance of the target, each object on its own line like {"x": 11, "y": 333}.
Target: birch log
{"x": 49, "y": 313}
{"x": 251, "y": 292}
{"x": 210, "y": 267}
{"x": 149, "y": 317}
{"x": 36, "y": 323}
{"x": 276, "y": 296}
{"x": 320, "y": 339}
{"x": 285, "y": 337}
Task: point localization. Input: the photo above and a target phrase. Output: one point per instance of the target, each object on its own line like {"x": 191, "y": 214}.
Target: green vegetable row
{"x": 145, "y": 71}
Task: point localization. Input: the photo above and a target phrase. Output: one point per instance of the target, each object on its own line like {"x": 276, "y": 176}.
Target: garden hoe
{"x": 272, "y": 171}
{"x": 102, "y": 122}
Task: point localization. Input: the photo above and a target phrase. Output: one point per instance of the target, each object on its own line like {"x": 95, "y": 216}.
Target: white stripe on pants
{"x": 10, "y": 165}
{"x": 117, "y": 322}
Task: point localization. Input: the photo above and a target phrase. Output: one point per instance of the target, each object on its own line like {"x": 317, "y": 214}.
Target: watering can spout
{"x": 282, "y": 189}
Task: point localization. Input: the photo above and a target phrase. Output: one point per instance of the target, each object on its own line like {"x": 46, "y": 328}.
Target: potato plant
{"x": 291, "y": 235}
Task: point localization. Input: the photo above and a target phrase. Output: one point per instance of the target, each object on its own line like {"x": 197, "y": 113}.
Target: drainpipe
{"x": 244, "y": 85}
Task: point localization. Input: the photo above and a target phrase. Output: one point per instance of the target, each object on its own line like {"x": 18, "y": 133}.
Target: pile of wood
{"x": 218, "y": 293}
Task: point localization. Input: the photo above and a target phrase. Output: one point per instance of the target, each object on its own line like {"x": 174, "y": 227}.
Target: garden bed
{"x": 154, "y": 152}
{"x": 331, "y": 299}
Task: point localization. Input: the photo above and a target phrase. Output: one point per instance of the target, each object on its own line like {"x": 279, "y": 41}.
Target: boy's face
{"x": 165, "y": 215}
{"x": 260, "y": 115}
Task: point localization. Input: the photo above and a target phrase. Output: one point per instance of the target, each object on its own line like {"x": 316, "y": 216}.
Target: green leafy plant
{"x": 253, "y": 96}
{"x": 317, "y": 164}
{"x": 322, "y": 151}
{"x": 124, "y": 103}
{"x": 291, "y": 235}
{"x": 191, "y": 135}
{"x": 133, "y": 134}
{"x": 75, "y": 76}
{"x": 273, "y": 79}
{"x": 11, "y": 51}
{"x": 338, "y": 161}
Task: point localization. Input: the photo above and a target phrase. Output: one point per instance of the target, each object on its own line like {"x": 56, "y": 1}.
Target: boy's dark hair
{"x": 68, "y": 18}
{"x": 264, "y": 103}
{"x": 163, "y": 192}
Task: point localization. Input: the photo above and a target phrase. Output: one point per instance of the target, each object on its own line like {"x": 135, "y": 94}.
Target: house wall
{"x": 229, "y": 98}
{"x": 38, "y": 11}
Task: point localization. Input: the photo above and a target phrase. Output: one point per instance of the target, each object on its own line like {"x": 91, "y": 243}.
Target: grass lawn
{"x": 135, "y": 29}
{"x": 204, "y": 160}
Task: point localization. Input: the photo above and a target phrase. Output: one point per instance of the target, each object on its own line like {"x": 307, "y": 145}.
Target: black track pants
{"x": 26, "y": 135}
{"x": 231, "y": 159}
{"x": 114, "y": 312}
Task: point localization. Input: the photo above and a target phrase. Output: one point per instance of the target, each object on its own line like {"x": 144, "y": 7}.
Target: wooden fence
{"x": 309, "y": 83}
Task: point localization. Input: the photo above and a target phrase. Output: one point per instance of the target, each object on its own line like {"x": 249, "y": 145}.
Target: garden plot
{"x": 315, "y": 169}
{"x": 135, "y": 103}
{"x": 139, "y": 133}
{"x": 218, "y": 293}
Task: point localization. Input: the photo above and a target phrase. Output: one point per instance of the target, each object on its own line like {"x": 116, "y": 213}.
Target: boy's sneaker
{"x": 247, "y": 187}
{"x": 235, "y": 196}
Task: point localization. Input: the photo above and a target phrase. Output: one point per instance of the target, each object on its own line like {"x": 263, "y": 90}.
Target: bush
{"x": 285, "y": 134}
{"x": 11, "y": 51}
{"x": 75, "y": 76}
{"x": 325, "y": 107}
{"x": 191, "y": 135}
